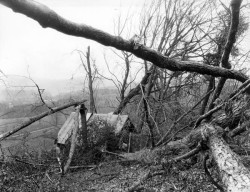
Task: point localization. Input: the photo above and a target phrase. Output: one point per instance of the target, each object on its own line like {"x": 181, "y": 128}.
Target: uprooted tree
{"x": 219, "y": 122}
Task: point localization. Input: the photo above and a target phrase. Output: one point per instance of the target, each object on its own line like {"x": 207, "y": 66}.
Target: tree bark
{"x": 234, "y": 175}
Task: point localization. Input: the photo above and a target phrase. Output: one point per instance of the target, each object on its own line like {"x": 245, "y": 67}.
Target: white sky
{"x": 46, "y": 53}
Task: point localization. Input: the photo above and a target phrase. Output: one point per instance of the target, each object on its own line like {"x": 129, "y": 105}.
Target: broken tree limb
{"x": 239, "y": 129}
{"x": 189, "y": 154}
{"x": 73, "y": 141}
{"x": 38, "y": 117}
{"x": 49, "y": 18}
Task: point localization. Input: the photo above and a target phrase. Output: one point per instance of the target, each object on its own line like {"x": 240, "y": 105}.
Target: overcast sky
{"x": 46, "y": 53}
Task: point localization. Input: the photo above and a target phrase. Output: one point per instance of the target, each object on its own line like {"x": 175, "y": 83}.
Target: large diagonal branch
{"x": 33, "y": 119}
{"x": 49, "y": 18}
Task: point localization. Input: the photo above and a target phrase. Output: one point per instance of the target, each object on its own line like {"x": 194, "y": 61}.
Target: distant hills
{"x": 23, "y": 89}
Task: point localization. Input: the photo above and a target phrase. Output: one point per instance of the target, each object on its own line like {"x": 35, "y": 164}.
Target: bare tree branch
{"x": 49, "y": 18}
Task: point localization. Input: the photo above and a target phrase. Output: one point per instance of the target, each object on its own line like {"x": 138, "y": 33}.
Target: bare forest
{"x": 178, "y": 122}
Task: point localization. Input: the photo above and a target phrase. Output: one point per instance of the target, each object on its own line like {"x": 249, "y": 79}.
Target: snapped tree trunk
{"x": 234, "y": 175}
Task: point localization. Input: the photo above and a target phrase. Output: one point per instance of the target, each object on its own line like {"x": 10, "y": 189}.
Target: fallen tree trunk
{"x": 195, "y": 136}
{"x": 234, "y": 175}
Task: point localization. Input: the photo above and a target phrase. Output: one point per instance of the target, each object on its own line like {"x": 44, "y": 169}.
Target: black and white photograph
{"x": 124, "y": 96}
